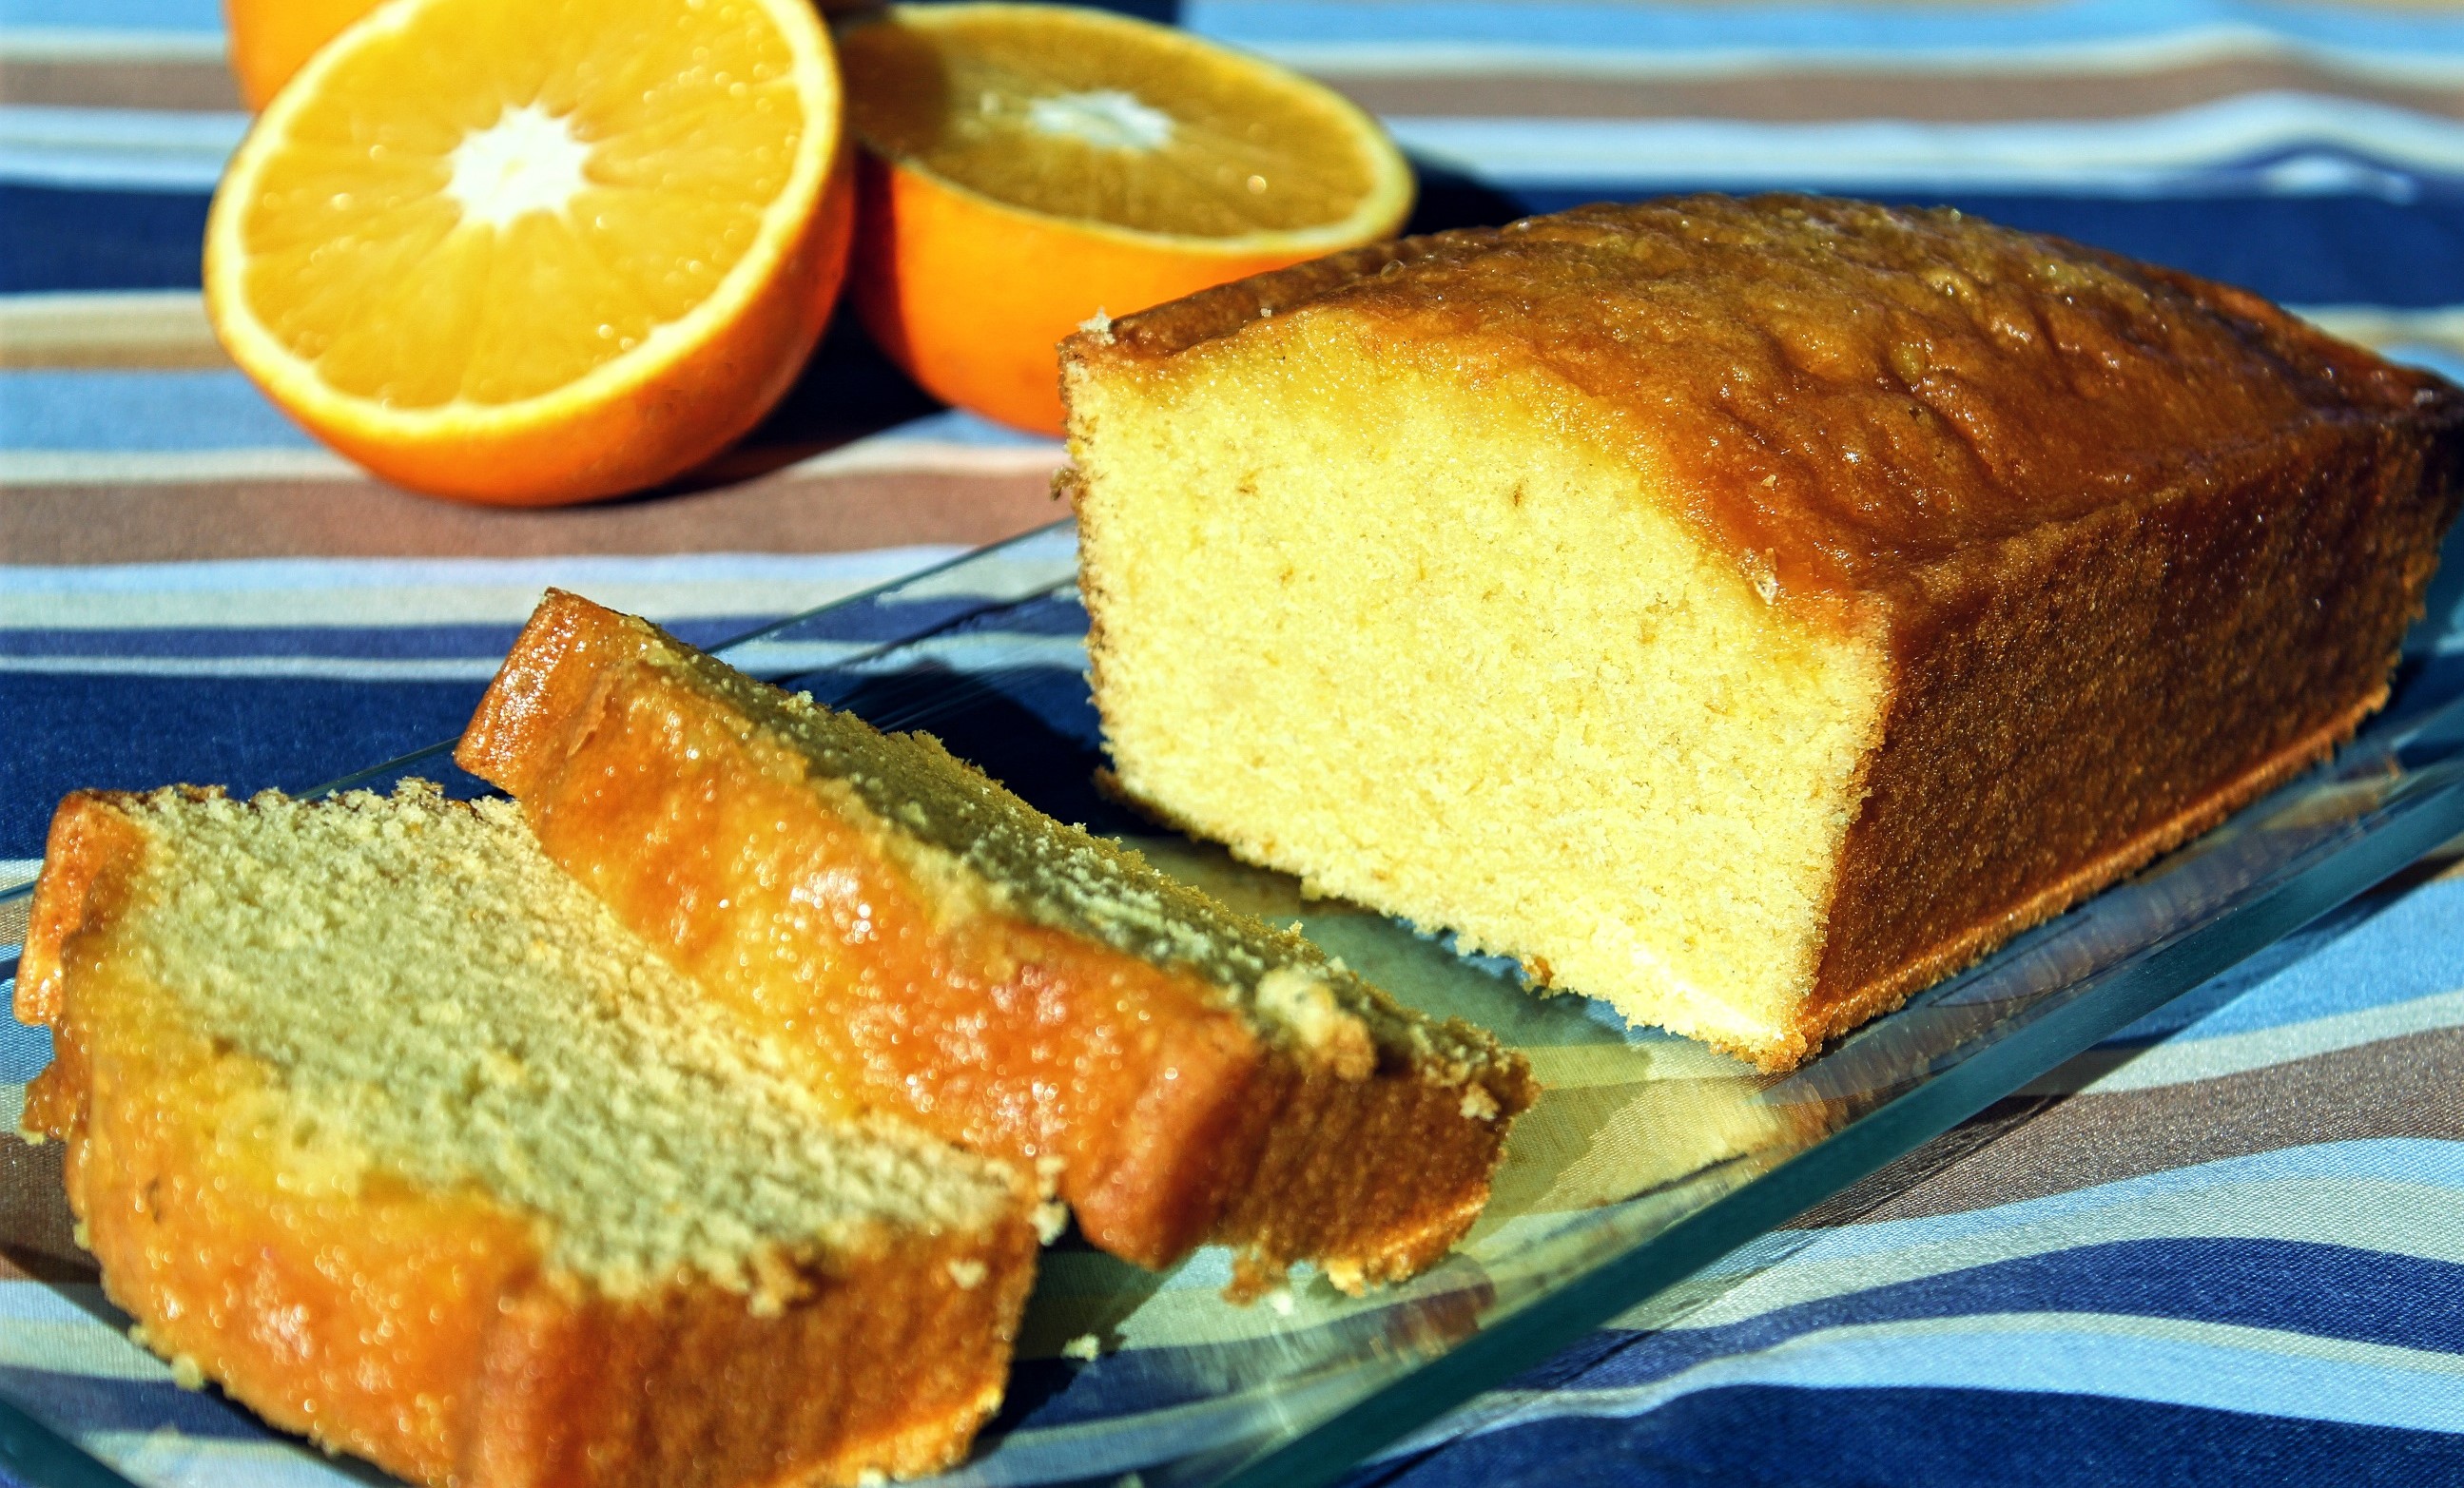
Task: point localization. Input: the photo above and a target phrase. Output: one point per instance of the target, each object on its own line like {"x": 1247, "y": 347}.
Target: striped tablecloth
{"x": 2226, "y": 1246}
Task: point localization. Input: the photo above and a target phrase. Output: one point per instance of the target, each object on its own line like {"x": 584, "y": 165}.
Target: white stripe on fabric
{"x": 1408, "y": 58}
{"x": 2375, "y": 325}
{"x": 2277, "y": 142}
{"x": 43, "y": 1327}
{"x": 169, "y": 466}
{"x": 975, "y": 655}
{"x": 76, "y": 1347}
{"x": 89, "y": 44}
{"x": 2223, "y": 1366}
{"x": 1693, "y": 40}
{"x": 144, "y": 324}
{"x": 173, "y": 1459}
{"x": 888, "y": 455}
{"x": 2188, "y": 1057}
{"x": 136, "y": 150}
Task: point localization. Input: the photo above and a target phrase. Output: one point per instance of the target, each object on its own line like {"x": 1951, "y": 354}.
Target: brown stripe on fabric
{"x": 161, "y": 330}
{"x": 2397, "y": 1088}
{"x": 788, "y": 512}
{"x": 1793, "y": 95}
{"x": 181, "y": 86}
{"x": 36, "y": 1230}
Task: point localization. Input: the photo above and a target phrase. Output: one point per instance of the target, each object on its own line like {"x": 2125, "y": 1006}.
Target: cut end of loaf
{"x": 1483, "y": 676}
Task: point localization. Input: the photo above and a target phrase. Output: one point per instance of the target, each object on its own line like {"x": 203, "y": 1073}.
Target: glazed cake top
{"x": 1845, "y": 391}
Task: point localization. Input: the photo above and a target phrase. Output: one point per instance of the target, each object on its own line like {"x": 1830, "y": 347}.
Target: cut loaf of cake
{"x": 1742, "y": 611}
{"x": 910, "y": 934}
{"x": 377, "y": 1119}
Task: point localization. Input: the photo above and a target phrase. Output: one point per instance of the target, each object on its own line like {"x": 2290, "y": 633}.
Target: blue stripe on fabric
{"x": 24, "y": 1051}
{"x": 287, "y": 734}
{"x": 2326, "y": 1291}
{"x": 1793, "y": 27}
{"x": 1033, "y": 729}
{"x": 1943, "y": 1439}
{"x": 81, "y": 1403}
{"x": 2313, "y": 251}
{"x": 54, "y": 239}
{"x": 1051, "y": 1394}
{"x": 2444, "y": 360}
{"x": 1801, "y": 31}
{"x": 2342, "y": 250}
{"x": 202, "y": 410}
{"x": 2381, "y": 951}
{"x": 2155, "y": 1360}
{"x": 1785, "y": 29}
{"x": 959, "y": 427}
{"x": 134, "y": 149}
{"x": 141, "y": 411}
{"x": 203, "y": 15}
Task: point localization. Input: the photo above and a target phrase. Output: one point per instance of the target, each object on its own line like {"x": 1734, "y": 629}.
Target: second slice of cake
{"x": 910, "y": 934}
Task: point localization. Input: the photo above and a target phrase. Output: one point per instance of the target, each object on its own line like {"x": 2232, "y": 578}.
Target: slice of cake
{"x": 1742, "y": 611}
{"x": 908, "y": 933}
{"x": 378, "y": 1120}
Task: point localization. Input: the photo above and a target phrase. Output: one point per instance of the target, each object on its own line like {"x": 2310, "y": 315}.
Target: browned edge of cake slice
{"x": 923, "y": 939}
{"x": 376, "y": 1119}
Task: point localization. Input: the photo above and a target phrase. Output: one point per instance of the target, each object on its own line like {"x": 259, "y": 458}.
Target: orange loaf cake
{"x": 913, "y": 934}
{"x": 378, "y": 1120}
{"x": 1742, "y": 611}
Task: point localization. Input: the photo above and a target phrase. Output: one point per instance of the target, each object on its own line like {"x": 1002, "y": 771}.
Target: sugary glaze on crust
{"x": 924, "y": 938}
{"x": 430, "y": 1330}
{"x": 1855, "y": 392}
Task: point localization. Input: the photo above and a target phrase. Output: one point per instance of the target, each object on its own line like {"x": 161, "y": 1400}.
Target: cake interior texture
{"x": 913, "y": 934}
{"x": 1610, "y": 756}
{"x": 388, "y": 1043}
{"x": 1744, "y": 612}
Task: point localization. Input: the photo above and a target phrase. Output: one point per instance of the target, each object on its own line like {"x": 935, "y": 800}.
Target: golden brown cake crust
{"x": 2138, "y": 546}
{"x": 1855, "y": 391}
{"x": 420, "y": 1329}
{"x": 1178, "y": 1114}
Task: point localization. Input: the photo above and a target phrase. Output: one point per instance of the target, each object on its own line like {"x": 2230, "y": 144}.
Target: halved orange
{"x": 1027, "y": 166}
{"x": 269, "y": 39}
{"x": 539, "y": 252}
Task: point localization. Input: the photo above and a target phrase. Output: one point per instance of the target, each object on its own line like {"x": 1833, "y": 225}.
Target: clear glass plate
{"x": 1647, "y": 1157}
